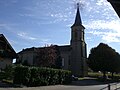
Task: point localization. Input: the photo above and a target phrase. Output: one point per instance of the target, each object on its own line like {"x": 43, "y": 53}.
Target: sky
{"x": 35, "y": 23}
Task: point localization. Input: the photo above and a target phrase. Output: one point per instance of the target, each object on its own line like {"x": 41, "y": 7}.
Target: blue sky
{"x": 34, "y": 23}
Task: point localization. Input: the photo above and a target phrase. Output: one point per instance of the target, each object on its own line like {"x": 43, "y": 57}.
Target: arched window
{"x": 75, "y": 35}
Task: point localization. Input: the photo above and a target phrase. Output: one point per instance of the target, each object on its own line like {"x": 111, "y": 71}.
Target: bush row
{"x": 36, "y": 76}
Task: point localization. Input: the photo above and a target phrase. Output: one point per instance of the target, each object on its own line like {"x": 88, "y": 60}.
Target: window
{"x": 69, "y": 61}
{"x": 63, "y": 61}
{"x": 75, "y": 35}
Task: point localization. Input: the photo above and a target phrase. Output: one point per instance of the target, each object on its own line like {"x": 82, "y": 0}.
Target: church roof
{"x": 116, "y": 5}
{"x": 34, "y": 49}
{"x": 78, "y": 18}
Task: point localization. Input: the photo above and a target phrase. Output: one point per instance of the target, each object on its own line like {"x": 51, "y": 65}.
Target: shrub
{"x": 39, "y": 76}
{"x": 22, "y": 75}
{"x": 2, "y": 75}
{"x": 7, "y": 73}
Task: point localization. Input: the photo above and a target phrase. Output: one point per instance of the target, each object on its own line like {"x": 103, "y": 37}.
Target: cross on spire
{"x": 78, "y": 5}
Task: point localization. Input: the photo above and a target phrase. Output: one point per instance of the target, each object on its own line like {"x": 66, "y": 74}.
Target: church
{"x": 73, "y": 56}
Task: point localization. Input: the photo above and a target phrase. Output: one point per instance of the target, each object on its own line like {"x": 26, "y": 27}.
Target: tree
{"x": 103, "y": 58}
{"x": 47, "y": 57}
{"x": 58, "y": 60}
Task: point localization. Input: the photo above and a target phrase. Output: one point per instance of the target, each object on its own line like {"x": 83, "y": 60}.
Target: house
{"x": 73, "y": 56}
{"x": 116, "y": 5}
{"x": 7, "y": 53}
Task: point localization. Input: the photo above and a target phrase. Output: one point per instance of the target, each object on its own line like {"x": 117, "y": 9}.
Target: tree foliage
{"x": 48, "y": 57}
{"x": 103, "y": 58}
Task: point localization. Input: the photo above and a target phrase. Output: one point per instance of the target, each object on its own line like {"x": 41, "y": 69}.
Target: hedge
{"x": 39, "y": 76}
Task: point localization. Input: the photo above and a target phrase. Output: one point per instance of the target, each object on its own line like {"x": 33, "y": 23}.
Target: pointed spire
{"x": 78, "y": 21}
{"x": 78, "y": 18}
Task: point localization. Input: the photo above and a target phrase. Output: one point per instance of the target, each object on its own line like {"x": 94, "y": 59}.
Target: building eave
{"x": 10, "y": 47}
{"x": 116, "y": 5}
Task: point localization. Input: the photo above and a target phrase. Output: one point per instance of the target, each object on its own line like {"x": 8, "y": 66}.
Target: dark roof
{"x": 35, "y": 49}
{"x": 9, "y": 49}
{"x": 78, "y": 21}
{"x": 61, "y": 48}
{"x": 116, "y": 5}
{"x": 30, "y": 49}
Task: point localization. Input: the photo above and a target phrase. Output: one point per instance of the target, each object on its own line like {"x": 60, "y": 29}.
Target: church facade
{"x": 73, "y": 56}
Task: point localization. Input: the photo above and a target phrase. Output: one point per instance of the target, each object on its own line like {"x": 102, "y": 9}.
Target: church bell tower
{"x": 78, "y": 64}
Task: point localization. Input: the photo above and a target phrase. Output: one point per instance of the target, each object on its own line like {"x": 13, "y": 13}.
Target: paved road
{"x": 88, "y": 84}
{"x": 59, "y": 87}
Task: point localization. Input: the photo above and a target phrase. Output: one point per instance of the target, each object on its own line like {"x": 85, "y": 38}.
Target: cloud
{"x": 26, "y": 36}
{"x": 11, "y": 29}
{"x": 102, "y": 2}
{"x": 99, "y": 17}
{"x": 108, "y": 37}
{"x": 108, "y": 31}
{"x": 4, "y": 26}
{"x": 102, "y": 21}
{"x": 13, "y": 42}
{"x": 67, "y": 14}
{"x": 14, "y": 1}
{"x": 38, "y": 40}
{"x": 89, "y": 38}
{"x": 45, "y": 42}
{"x": 113, "y": 25}
{"x": 27, "y": 15}
{"x": 111, "y": 37}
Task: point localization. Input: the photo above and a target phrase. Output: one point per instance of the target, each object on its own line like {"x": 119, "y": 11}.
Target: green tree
{"x": 103, "y": 58}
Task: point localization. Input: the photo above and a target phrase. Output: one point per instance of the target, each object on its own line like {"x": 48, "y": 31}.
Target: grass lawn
{"x": 7, "y": 81}
{"x": 99, "y": 76}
